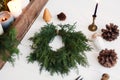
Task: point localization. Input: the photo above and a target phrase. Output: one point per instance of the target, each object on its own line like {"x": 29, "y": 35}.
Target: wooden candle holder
{"x": 26, "y": 19}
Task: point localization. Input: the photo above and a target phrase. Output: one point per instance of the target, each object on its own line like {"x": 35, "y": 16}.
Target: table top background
{"x": 79, "y": 11}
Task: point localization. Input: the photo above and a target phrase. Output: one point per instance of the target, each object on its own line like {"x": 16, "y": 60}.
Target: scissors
{"x": 79, "y": 78}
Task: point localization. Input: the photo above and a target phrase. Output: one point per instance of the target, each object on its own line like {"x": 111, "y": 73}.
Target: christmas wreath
{"x": 8, "y": 45}
{"x": 65, "y": 58}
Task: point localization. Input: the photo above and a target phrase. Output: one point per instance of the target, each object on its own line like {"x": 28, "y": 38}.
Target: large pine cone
{"x": 111, "y": 32}
{"x": 107, "y": 58}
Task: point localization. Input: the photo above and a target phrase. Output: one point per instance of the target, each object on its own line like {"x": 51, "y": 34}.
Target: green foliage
{"x": 3, "y": 5}
{"x": 65, "y": 58}
{"x": 8, "y": 45}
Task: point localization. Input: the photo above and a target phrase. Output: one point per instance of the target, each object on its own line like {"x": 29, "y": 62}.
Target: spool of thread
{"x": 98, "y": 41}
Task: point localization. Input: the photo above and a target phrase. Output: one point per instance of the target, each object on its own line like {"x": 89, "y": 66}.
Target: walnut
{"x": 111, "y": 32}
{"x": 107, "y": 58}
{"x": 105, "y": 76}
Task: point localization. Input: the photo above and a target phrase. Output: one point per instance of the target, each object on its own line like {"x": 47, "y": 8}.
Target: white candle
{"x": 98, "y": 42}
{"x": 15, "y": 8}
{"x": 18, "y": 2}
{"x": 1, "y": 29}
{"x": 24, "y": 3}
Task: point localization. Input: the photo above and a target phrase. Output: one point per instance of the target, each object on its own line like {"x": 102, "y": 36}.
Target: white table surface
{"x": 79, "y": 11}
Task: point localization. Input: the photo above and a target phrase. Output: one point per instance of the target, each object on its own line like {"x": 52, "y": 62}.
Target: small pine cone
{"x": 61, "y": 16}
{"x": 107, "y": 58}
{"x": 110, "y": 33}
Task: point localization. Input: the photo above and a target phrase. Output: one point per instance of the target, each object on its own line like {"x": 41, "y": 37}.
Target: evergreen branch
{"x": 8, "y": 45}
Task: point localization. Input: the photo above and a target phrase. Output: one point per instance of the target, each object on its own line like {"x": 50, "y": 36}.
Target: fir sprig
{"x": 8, "y": 45}
{"x": 65, "y": 58}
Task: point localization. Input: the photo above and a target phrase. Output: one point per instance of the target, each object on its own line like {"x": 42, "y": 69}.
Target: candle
{"x": 98, "y": 41}
{"x": 6, "y": 19}
{"x": 94, "y": 15}
{"x": 24, "y": 3}
{"x": 1, "y": 30}
{"x": 15, "y": 8}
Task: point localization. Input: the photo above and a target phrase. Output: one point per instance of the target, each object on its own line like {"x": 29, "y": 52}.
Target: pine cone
{"x": 110, "y": 33}
{"x": 61, "y": 16}
{"x": 107, "y": 58}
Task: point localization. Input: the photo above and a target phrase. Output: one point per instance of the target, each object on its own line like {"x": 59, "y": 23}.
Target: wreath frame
{"x": 65, "y": 58}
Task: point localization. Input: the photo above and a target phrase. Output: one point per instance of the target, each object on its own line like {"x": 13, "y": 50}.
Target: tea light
{"x": 1, "y": 30}
{"x": 98, "y": 41}
{"x": 15, "y": 8}
{"x": 6, "y": 19}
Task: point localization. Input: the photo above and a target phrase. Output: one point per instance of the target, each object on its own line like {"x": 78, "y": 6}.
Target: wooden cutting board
{"x": 26, "y": 19}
